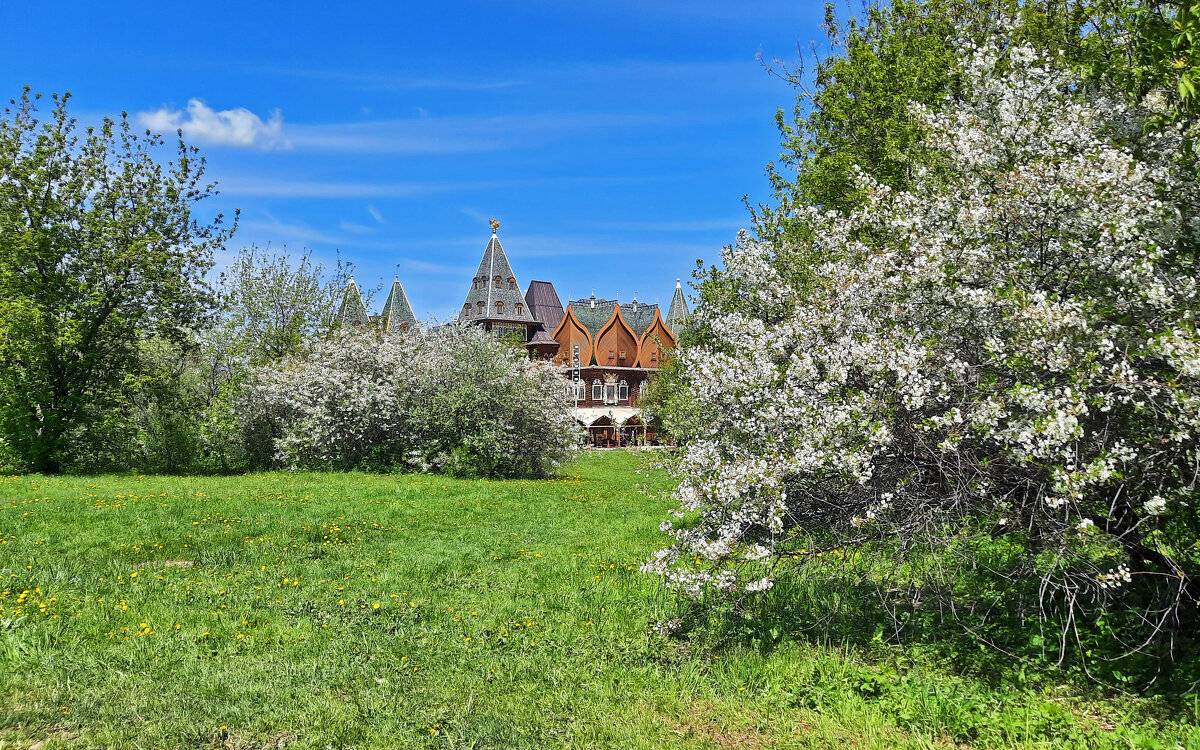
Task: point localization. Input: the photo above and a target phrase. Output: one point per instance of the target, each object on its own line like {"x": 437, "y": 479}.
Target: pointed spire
{"x": 353, "y": 312}
{"x": 678, "y": 314}
{"x": 397, "y": 316}
{"x": 495, "y": 294}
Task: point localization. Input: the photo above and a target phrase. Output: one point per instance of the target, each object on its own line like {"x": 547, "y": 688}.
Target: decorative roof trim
{"x": 658, "y": 322}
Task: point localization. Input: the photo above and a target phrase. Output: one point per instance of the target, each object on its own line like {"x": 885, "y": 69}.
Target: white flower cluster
{"x": 453, "y": 400}
{"x": 1015, "y": 332}
{"x": 1115, "y": 578}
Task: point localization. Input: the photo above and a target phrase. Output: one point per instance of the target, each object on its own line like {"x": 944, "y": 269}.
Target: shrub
{"x": 452, "y": 401}
{"x": 994, "y": 374}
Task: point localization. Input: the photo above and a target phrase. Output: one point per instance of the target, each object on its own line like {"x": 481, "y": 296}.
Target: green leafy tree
{"x": 99, "y": 252}
{"x": 271, "y": 303}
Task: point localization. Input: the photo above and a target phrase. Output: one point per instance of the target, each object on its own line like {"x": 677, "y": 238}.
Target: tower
{"x": 495, "y": 300}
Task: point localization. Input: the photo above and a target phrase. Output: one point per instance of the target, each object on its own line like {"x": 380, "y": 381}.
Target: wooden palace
{"x": 608, "y": 350}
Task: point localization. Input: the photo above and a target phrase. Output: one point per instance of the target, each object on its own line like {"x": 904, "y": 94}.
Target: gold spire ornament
{"x": 495, "y": 225}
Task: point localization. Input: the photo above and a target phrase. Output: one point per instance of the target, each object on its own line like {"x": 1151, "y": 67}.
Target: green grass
{"x": 357, "y": 610}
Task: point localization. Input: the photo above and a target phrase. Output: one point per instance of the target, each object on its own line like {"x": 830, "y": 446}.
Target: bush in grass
{"x": 994, "y": 373}
{"x": 453, "y": 400}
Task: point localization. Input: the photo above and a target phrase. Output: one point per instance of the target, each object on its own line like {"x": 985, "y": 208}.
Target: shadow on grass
{"x": 998, "y": 640}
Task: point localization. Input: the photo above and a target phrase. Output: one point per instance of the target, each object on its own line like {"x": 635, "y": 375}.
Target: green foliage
{"x": 271, "y": 304}
{"x": 541, "y": 577}
{"x": 99, "y": 252}
{"x": 669, "y": 406}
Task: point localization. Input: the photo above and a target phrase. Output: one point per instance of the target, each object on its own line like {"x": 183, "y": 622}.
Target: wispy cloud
{"x": 282, "y": 187}
{"x": 285, "y": 188}
{"x": 375, "y": 214}
{"x": 274, "y": 229}
{"x": 456, "y": 135}
{"x": 355, "y": 228}
{"x": 458, "y": 272}
{"x": 227, "y": 127}
{"x": 696, "y": 225}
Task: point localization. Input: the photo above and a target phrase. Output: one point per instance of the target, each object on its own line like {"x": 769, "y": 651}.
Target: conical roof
{"x": 678, "y": 314}
{"x": 397, "y": 310}
{"x": 353, "y": 311}
{"x": 500, "y": 298}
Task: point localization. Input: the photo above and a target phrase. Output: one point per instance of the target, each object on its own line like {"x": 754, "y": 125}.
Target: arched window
{"x": 597, "y": 390}
{"x": 520, "y": 309}
{"x": 498, "y": 282}
{"x": 623, "y": 391}
{"x": 479, "y": 307}
{"x": 404, "y": 328}
{"x": 499, "y": 308}
{"x": 512, "y": 283}
{"x": 467, "y": 310}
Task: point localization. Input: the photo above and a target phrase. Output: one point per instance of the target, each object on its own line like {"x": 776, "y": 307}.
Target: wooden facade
{"x": 608, "y": 350}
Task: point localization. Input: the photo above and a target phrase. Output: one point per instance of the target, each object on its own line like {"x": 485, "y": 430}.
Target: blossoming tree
{"x": 452, "y": 401}
{"x": 996, "y": 368}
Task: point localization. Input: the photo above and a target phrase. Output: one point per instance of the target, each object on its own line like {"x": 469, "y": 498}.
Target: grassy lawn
{"x": 357, "y": 610}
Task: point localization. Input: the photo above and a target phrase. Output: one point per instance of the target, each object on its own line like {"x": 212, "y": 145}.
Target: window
{"x": 404, "y": 328}
{"x": 479, "y": 308}
{"x": 520, "y": 309}
{"x": 499, "y": 308}
{"x": 611, "y": 355}
{"x": 498, "y": 282}
{"x": 597, "y": 390}
{"x": 622, "y": 355}
{"x": 512, "y": 283}
{"x": 467, "y": 310}
{"x": 610, "y": 393}
{"x": 623, "y": 391}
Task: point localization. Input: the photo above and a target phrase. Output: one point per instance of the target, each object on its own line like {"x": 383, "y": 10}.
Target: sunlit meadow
{"x": 358, "y": 610}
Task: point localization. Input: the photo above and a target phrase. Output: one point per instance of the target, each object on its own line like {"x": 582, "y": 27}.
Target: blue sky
{"x": 614, "y": 141}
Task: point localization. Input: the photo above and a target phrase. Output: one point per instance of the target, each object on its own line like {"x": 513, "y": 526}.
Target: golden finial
{"x": 495, "y": 225}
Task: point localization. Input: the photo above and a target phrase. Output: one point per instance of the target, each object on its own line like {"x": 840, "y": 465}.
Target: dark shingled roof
{"x": 678, "y": 314}
{"x": 594, "y": 313}
{"x": 495, "y": 263}
{"x": 397, "y": 310}
{"x": 544, "y": 304}
{"x": 353, "y": 311}
{"x": 639, "y": 316}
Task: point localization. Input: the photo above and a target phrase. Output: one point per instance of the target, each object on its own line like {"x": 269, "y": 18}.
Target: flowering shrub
{"x": 993, "y": 371}
{"x": 452, "y": 401}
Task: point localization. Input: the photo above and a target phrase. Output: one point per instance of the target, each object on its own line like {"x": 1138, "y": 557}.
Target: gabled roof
{"x": 397, "y": 310}
{"x": 544, "y": 304}
{"x": 593, "y": 313}
{"x": 565, "y": 332}
{"x": 639, "y": 316}
{"x": 353, "y": 311}
{"x": 495, "y": 263}
{"x": 678, "y": 314}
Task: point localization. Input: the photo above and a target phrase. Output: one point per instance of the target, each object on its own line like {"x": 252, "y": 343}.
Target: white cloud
{"x": 228, "y": 127}
{"x": 375, "y": 214}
